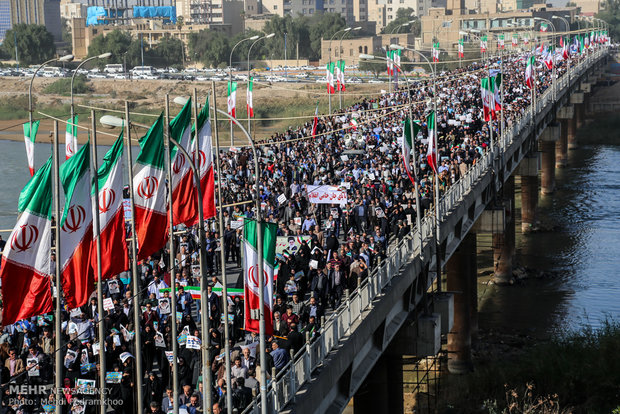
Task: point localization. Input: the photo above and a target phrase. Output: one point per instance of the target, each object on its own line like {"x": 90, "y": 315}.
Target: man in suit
{"x": 248, "y": 360}
{"x": 14, "y": 364}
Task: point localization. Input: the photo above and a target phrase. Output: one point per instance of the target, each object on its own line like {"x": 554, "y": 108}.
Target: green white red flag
{"x": 30, "y": 135}
{"x": 76, "y": 230}
{"x": 461, "y": 48}
{"x": 250, "y": 101}
{"x": 149, "y": 182}
{"x": 329, "y": 75}
{"x": 431, "y": 153}
{"x": 232, "y": 99}
{"x": 488, "y": 98}
{"x": 71, "y": 137}
{"x": 529, "y": 71}
{"x": 251, "y": 276}
{"x": 114, "y": 255}
{"x": 340, "y": 65}
{"x": 205, "y": 162}
{"x": 25, "y": 270}
{"x": 184, "y": 209}
{"x": 408, "y": 143}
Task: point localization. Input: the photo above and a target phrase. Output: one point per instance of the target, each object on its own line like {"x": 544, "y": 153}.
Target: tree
{"x": 34, "y": 43}
{"x": 168, "y": 52}
{"x": 374, "y": 66}
{"x": 213, "y": 47}
{"x": 403, "y": 16}
{"x": 612, "y": 16}
{"x": 324, "y": 26}
{"x": 297, "y": 32}
{"x": 116, "y": 42}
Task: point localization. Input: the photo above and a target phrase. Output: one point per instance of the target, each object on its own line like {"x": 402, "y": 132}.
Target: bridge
{"x": 390, "y": 313}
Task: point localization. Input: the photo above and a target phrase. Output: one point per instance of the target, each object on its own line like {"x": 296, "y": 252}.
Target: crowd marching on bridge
{"x": 335, "y": 190}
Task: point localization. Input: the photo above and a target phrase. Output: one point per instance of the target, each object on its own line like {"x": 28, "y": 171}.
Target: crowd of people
{"x": 333, "y": 248}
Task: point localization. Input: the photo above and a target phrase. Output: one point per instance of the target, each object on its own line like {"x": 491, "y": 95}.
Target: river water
{"x": 583, "y": 250}
{"x": 582, "y": 253}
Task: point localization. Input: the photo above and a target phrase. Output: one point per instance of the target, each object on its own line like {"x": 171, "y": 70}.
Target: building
{"x": 43, "y": 12}
{"x": 212, "y": 12}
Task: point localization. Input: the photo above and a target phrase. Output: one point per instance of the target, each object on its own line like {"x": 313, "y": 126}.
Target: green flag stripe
{"x": 36, "y": 196}
{"x": 31, "y": 134}
{"x": 152, "y": 145}
{"x": 71, "y": 172}
{"x": 109, "y": 160}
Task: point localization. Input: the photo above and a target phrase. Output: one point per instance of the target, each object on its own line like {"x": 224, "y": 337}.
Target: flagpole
{"x": 134, "y": 263}
{"x": 175, "y": 344}
{"x": 57, "y": 327}
{"x": 97, "y": 234}
{"x": 223, "y": 264}
{"x": 204, "y": 300}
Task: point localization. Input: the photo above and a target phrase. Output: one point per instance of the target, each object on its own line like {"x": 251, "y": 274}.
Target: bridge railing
{"x": 343, "y": 321}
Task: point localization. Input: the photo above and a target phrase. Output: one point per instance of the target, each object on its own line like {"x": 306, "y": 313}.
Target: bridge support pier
{"x": 548, "y": 138}
{"x": 460, "y": 281}
{"x": 528, "y": 170}
{"x": 576, "y": 99}
{"x": 504, "y": 240}
{"x": 382, "y": 390}
{"x": 565, "y": 115}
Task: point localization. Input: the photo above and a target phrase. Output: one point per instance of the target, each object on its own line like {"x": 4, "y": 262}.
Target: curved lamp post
{"x": 269, "y": 36}
{"x": 339, "y": 52}
{"x": 232, "y": 139}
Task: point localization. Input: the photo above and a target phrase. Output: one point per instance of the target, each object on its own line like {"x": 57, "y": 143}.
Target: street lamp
{"x": 269, "y": 36}
{"x": 340, "y": 53}
{"x": 553, "y": 86}
{"x": 101, "y": 56}
{"x": 329, "y": 48}
{"x": 232, "y": 140}
{"x": 65, "y": 58}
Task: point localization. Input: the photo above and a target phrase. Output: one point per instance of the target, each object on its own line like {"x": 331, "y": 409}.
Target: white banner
{"x": 326, "y": 194}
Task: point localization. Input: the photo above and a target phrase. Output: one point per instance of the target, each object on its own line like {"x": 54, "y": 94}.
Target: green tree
{"x": 403, "y": 16}
{"x": 297, "y": 31}
{"x": 66, "y": 34}
{"x": 168, "y": 52}
{"x": 212, "y": 48}
{"x": 116, "y": 42}
{"x": 376, "y": 67}
{"x": 612, "y": 16}
{"x": 34, "y": 43}
{"x": 324, "y": 26}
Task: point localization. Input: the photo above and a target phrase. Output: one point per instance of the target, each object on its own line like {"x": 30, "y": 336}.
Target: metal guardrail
{"x": 344, "y": 319}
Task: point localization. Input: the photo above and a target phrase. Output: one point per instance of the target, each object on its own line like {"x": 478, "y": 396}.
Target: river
{"x": 583, "y": 250}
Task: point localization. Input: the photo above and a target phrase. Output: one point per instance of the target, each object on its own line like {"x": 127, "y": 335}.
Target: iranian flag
{"x": 76, "y": 230}
{"x": 488, "y": 98}
{"x": 249, "y": 101}
{"x": 500, "y": 41}
{"x": 496, "y": 77}
{"x": 396, "y": 55}
{"x": 390, "y": 62}
{"x": 529, "y": 71}
{"x": 71, "y": 137}
{"x": 337, "y": 74}
{"x": 184, "y": 209}
{"x": 461, "y": 48}
{"x": 25, "y": 270}
{"x": 564, "y": 46}
{"x": 431, "y": 152}
{"x": 315, "y": 121}
{"x": 205, "y": 166}
{"x": 544, "y": 27}
{"x": 341, "y": 65}
{"x": 150, "y": 192}
{"x": 548, "y": 58}
{"x": 408, "y": 142}
{"x": 232, "y": 99}
{"x": 30, "y": 134}
{"x": 114, "y": 255}
{"x": 435, "y": 52}
{"x": 251, "y": 276}
{"x": 515, "y": 40}
{"x": 483, "y": 44}
{"x": 526, "y": 40}
{"x": 329, "y": 75}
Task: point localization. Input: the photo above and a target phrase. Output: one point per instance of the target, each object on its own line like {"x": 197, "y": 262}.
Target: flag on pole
{"x": 436, "y": 52}
{"x": 184, "y": 209}
{"x": 483, "y": 44}
{"x": 515, "y": 40}
{"x": 564, "y": 46}
{"x": 329, "y": 68}
{"x": 205, "y": 162}
{"x": 500, "y": 41}
{"x": 544, "y": 27}
{"x": 396, "y": 55}
{"x": 249, "y": 100}
{"x": 526, "y": 39}
{"x": 431, "y": 153}
{"x": 461, "y": 48}
{"x": 488, "y": 98}
{"x": 496, "y": 78}
{"x": 29, "y": 137}
{"x": 232, "y": 99}
{"x": 547, "y": 58}
{"x": 315, "y": 121}
{"x": 251, "y": 278}
{"x": 341, "y": 86}
{"x": 114, "y": 255}
{"x": 25, "y": 270}
{"x": 149, "y": 180}
{"x": 390, "y": 62}
{"x": 71, "y": 137}
{"x": 408, "y": 142}
{"x": 337, "y": 74}
{"x": 76, "y": 229}
{"x": 529, "y": 71}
